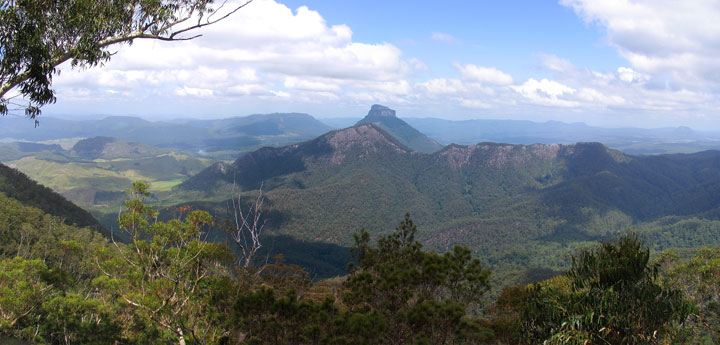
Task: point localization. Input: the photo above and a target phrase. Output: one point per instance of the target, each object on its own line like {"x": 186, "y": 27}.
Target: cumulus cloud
{"x": 546, "y": 92}
{"x": 675, "y": 39}
{"x": 482, "y": 74}
{"x": 192, "y": 91}
{"x": 259, "y": 50}
{"x": 594, "y": 96}
{"x": 628, "y": 75}
{"x": 441, "y": 86}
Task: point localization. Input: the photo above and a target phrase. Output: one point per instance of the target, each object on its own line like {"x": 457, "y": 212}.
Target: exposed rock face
{"x": 365, "y": 137}
{"x": 380, "y": 110}
{"x": 499, "y": 155}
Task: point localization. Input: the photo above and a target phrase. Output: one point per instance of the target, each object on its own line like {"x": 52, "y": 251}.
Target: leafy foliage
{"x": 611, "y": 294}
{"x": 699, "y": 279}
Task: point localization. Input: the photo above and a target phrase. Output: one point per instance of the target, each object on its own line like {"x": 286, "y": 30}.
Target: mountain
{"x": 112, "y": 148}
{"x": 16, "y": 185}
{"x": 223, "y": 138}
{"x": 628, "y": 140}
{"x": 385, "y": 118}
{"x": 520, "y": 204}
{"x": 326, "y": 151}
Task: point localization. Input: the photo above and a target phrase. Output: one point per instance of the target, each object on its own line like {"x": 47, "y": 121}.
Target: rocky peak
{"x": 378, "y": 110}
{"x": 363, "y": 140}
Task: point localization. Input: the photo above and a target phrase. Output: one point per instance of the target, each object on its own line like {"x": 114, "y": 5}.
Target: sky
{"x": 610, "y": 63}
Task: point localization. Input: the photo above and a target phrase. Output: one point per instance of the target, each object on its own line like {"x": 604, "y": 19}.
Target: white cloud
{"x": 191, "y": 91}
{"x": 444, "y": 38}
{"x": 674, "y": 39}
{"x": 556, "y": 63}
{"x": 596, "y": 97}
{"x": 309, "y": 85}
{"x": 263, "y": 47}
{"x": 546, "y": 92}
{"x": 441, "y": 86}
{"x": 481, "y": 74}
{"x": 628, "y": 75}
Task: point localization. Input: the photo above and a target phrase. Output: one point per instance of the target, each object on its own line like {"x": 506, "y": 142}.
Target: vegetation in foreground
{"x": 65, "y": 285}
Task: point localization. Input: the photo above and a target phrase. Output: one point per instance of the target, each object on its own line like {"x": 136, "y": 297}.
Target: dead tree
{"x": 248, "y": 226}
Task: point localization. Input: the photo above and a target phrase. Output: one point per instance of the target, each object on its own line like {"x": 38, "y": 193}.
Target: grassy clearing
{"x": 164, "y": 186}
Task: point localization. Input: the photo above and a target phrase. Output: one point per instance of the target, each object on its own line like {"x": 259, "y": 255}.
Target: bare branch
{"x": 248, "y": 227}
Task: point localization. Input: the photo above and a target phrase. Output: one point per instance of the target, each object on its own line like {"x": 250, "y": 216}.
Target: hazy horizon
{"x": 357, "y": 117}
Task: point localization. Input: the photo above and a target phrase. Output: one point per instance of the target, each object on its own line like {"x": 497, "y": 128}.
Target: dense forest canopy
{"x": 170, "y": 285}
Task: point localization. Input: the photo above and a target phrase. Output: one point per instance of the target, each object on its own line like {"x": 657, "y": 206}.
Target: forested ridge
{"x": 17, "y": 185}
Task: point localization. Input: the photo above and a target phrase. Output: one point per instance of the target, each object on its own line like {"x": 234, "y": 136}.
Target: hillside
{"x": 522, "y": 204}
{"x": 18, "y": 186}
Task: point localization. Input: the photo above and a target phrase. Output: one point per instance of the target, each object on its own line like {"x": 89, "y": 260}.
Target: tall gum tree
{"x": 36, "y": 36}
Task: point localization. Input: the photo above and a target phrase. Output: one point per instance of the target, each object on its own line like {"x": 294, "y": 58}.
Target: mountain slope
{"x": 385, "y": 118}
{"x": 18, "y": 186}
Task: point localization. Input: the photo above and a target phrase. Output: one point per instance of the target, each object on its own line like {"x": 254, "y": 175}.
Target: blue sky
{"x": 613, "y": 63}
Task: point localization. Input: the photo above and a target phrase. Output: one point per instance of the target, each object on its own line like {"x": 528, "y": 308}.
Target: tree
{"x": 168, "y": 277}
{"x": 247, "y": 227}
{"x": 36, "y": 36}
{"x": 610, "y": 295}
{"x": 415, "y": 296}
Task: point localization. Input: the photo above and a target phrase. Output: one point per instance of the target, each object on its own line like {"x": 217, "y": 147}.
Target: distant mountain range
{"x": 225, "y": 138}
{"x": 510, "y": 203}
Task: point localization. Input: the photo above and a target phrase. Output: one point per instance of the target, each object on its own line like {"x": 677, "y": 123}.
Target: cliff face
{"x": 500, "y": 155}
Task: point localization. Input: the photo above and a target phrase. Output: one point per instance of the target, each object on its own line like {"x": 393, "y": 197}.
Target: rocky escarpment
{"x": 499, "y": 156}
